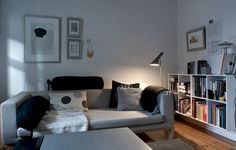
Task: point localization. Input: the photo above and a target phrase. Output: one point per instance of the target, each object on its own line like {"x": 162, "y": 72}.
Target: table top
{"x": 107, "y": 139}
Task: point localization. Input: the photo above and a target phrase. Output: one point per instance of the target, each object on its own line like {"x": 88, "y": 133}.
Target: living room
{"x": 125, "y": 35}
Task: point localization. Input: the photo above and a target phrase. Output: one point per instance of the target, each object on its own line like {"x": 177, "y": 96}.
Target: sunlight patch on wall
{"x": 15, "y": 50}
{"x": 15, "y": 69}
{"x": 16, "y": 80}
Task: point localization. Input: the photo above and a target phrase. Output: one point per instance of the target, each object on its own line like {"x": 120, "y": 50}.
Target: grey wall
{"x": 193, "y": 14}
{"x": 126, "y": 34}
{"x": 3, "y": 60}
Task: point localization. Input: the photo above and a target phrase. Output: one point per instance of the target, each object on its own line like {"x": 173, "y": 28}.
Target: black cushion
{"x": 115, "y": 85}
{"x": 148, "y": 98}
{"x": 31, "y": 112}
{"x": 63, "y": 83}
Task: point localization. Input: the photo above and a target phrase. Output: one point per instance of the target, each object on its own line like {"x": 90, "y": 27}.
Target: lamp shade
{"x": 157, "y": 60}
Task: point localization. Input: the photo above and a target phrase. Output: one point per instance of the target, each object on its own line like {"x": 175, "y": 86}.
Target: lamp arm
{"x": 159, "y": 56}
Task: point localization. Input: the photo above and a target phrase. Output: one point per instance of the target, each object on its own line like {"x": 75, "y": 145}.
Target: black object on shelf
{"x": 191, "y": 67}
{"x": 203, "y": 67}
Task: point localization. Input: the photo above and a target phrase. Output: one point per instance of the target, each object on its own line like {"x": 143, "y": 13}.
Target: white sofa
{"x": 99, "y": 115}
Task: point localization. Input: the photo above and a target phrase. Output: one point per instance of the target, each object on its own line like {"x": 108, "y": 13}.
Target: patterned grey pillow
{"x": 129, "y": 99}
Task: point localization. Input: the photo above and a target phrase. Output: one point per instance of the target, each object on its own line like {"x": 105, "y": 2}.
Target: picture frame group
{"x": 43, "y": 36}
{"x": 74, "y": 35}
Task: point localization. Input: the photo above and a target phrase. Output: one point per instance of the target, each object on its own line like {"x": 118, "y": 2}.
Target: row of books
{"x": 217, "y": 114}
{"x": 200, "y": 86}
{"x": 184, "y": 106}
{"x": 213, "y": 113}
{"x": 199, "y": 110}
{"x": 217, "y": 89}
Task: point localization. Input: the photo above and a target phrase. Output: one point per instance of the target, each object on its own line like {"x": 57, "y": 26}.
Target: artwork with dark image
{"x": 42, "y": 38}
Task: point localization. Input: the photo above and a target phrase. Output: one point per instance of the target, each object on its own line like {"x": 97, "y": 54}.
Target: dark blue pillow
{"x": 31, "y": 112}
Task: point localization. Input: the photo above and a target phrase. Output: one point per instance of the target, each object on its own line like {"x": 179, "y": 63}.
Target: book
{"x": 214, "y": 114}
{"x": 209, "y": 113}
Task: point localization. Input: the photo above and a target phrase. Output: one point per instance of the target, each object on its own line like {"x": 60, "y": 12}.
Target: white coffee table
{"x": 107, "y": 139}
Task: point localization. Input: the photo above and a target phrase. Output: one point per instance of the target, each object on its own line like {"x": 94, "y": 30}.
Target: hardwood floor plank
{"x": 197, "y": 137}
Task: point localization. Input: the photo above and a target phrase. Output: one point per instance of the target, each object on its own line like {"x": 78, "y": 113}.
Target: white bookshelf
{"x": 203, "y": 101}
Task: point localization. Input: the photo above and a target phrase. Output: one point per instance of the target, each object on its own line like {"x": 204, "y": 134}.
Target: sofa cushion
{"x": 31, "y": 112}
{"x": 111, "y": 118}
{"x": 128, "y": 99}
{"x": 115, "y": 85}
{"x": 68, "y": 100}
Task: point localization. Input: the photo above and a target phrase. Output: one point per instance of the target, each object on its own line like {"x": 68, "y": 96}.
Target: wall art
{"x": 74, "y": 48}
{"x": 42, "y": 39}
{"x": 196, "y": 39}
{"x": 74, "y": 27}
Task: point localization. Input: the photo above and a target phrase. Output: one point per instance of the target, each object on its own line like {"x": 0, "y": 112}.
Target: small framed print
{"x": 196, "y": 39}
{"x": 74, "y": 48}
{"x": 74, "y": 27}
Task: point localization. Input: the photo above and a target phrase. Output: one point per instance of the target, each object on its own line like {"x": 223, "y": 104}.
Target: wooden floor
{"x": 195, "y": 136}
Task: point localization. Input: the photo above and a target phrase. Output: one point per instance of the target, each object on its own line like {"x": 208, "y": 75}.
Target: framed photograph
{"x": 74, "y": 27}
{"x": 74, "y": 48}
{"x": 42, "y": 39}
{"x": 196, "y": 39}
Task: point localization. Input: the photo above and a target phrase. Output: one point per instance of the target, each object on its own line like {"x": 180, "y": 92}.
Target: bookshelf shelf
{"x": 218, "y": 101}
{"x": 208, "y": 99}
{"x": 203, "y": 98}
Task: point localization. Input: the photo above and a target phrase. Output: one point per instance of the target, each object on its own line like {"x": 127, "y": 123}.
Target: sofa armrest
{"x": 167, "y": 109}
{"x": 8, "y": 117}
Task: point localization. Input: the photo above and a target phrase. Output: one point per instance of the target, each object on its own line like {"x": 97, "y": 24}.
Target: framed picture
{"x": 196, "y": 39}
{"x": 74, "y": 27}
{"x": 42, "y": 39}
{"x": 74, "y": 48}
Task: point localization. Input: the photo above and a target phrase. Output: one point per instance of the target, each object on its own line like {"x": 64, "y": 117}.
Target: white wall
{"x": 126, "y": 34}
{"x": 196, "y": 13}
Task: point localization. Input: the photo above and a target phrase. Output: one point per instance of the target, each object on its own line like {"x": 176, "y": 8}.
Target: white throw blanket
{"x": 63, "y": 121}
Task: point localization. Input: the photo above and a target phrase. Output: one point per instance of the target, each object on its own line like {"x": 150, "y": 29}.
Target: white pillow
{"x": 68, "y": 100}
{"x": 129, "y": 99}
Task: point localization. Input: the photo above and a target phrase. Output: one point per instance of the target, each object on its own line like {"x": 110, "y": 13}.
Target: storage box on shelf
{"x": 208, "y": 99}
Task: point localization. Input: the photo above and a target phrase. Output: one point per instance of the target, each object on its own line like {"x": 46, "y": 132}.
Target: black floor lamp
{"x": 157, "y": 63}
